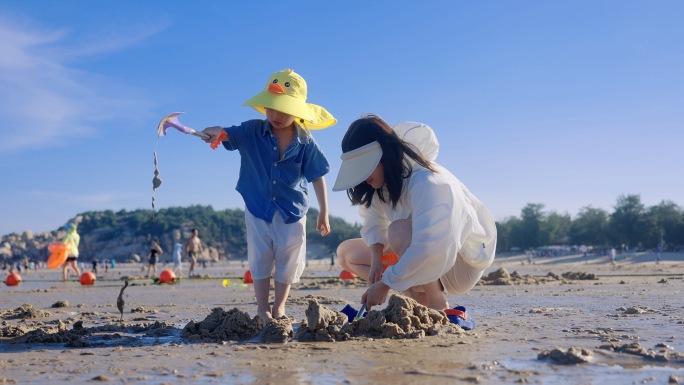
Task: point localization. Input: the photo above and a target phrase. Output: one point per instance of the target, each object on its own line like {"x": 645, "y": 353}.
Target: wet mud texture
{"x": 661, "y": 353}
{"x": 503, "y": 277}
{"x": 58, "y": 332}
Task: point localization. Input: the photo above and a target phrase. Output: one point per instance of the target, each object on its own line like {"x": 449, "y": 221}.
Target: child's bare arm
{"x": 323, "y": 225}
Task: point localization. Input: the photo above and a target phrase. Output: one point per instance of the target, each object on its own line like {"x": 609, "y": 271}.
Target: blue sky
{"x": 567, "y": 104}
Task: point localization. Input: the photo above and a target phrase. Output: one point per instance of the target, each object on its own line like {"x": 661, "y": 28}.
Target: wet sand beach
{"x": 561, "y": 320}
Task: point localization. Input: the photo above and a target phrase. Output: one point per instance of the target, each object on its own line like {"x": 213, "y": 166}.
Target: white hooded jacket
{"x": 448, "y": 220}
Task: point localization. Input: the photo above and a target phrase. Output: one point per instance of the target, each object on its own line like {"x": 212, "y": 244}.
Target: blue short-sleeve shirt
{"x": 268, "y": 183}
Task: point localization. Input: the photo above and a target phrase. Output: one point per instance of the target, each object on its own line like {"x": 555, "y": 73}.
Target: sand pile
{"x": 402, "y": 318}
{"x": 62, "y": 303}
{"x": 572, "y": 356}
{"x": 662, "y": 353}
{"x": 220, "y": 325}
{"x": 24, "y": 311}
{"x": 503, "y": 277}
{"x": 80, "y": 336}
{"x": 237, "y": 325}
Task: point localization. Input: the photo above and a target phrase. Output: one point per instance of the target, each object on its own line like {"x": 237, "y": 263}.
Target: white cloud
{"x": 45, "y": 100}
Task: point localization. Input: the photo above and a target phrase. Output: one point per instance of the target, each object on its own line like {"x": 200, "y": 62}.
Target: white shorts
{"x": 276, "y": 244}
{"x": 461, "y": 277}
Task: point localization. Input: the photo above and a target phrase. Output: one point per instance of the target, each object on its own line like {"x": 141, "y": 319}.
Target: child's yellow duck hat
{"x": 285, "y": 91}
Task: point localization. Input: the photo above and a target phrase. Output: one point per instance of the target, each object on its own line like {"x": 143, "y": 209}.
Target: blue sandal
{"x": 460, "y": 317}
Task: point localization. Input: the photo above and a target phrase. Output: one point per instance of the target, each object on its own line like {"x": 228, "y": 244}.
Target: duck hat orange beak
{"x": 285, "y": 91}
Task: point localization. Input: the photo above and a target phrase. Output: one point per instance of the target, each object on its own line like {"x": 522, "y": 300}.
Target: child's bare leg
{"x": 65, "y": 271}
{"x": 262, "y": 288}
{"x": 282, "y": 291}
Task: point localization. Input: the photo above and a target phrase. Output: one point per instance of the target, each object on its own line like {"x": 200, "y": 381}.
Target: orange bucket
{"x": 247, "y": 278}
{"x": 389, "y": 260}
{"x": 347, "y": 275}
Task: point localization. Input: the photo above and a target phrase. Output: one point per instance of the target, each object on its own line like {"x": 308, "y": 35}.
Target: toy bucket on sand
{"x": 59, "y": 251}
{"x": 247, "y": 277}
{"x": 346, "y": 275}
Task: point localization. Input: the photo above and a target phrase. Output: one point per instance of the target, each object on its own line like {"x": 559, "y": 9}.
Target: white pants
{"x": 276, "y": 244}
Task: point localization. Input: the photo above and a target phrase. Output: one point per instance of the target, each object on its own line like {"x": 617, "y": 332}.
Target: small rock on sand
{"x": 572, "y": 356}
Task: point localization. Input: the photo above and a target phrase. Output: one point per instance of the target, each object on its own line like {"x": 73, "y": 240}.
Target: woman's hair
{"x": 395, "y": 158}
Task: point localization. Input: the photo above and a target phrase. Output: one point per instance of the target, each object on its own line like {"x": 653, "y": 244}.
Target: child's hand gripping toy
{"x": 171, "y": 120}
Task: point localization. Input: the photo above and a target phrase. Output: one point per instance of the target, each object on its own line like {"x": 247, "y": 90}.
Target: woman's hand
{"x": 376, "y": 270}
{"x": 375, "y": 295}
{"x": 213, "y": 132}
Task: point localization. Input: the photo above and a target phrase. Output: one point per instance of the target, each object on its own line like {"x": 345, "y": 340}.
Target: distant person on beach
{"x": 177, "y": 257}
{"x": 660, "y": 250}
{"x": 193, "y": 248}
{"x": 613, "y": 255}
{"x": 94, "y": 263}
{"x": 279, "y": 157}
{"x": 332, "y": 261}
{"x": 153, "y": 257}
{"x": 410, "y": 206}
{"x": 73, "y": 239}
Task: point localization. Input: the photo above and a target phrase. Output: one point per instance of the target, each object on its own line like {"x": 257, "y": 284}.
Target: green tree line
{"x": 222, "y": 229}
{"x": 631, "y": 224}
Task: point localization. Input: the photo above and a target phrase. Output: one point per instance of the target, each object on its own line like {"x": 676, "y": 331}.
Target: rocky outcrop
{"x": 127, "y": 235}
{"x": 108, "y": 242}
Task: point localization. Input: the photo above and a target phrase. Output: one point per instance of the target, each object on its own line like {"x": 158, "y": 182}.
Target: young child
{"x": 177, "y": 257}
{"x": 278, "y": 157}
